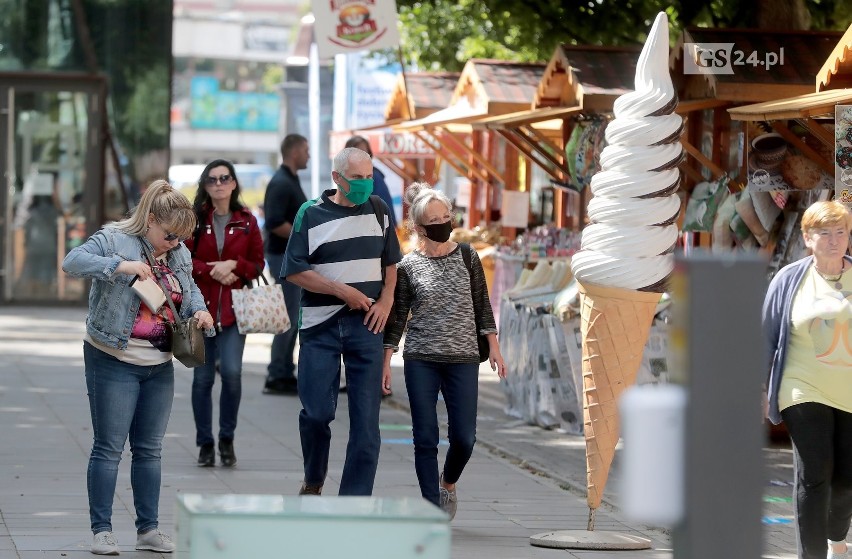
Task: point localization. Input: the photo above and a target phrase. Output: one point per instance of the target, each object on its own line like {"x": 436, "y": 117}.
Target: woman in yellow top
{"x": 807, "y": 316}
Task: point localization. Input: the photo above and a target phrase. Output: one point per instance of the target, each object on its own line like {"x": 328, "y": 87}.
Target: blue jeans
{"x": 319, "y": 382}
{"x": 281, "y": 363}
{"x": 459, "y": 383}
{"x": 226, "y": 346}
{"x": 126, "y": 400}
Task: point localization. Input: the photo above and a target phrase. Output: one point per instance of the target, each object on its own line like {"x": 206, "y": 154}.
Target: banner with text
{"x": 344, "y": 26}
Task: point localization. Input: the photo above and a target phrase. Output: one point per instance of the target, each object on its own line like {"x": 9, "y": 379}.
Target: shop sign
{"x": 843, "y": 153}
{"x": 344, "y": 26}
{"x": 266, "y": 38}
{"x": 403, "y": 145}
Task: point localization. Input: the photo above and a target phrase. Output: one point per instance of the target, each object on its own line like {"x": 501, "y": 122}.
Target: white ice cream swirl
{"x": 632, "y": 234}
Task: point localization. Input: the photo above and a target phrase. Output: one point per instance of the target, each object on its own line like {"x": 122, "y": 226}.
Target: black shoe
{"x": 310, "y": 489}
{"x": 207, "y": 456}
{"x": 281, "y": 387}
{"x": 226, "y": 453}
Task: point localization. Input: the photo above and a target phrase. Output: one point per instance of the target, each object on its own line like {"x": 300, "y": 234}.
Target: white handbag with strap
{"x": 260, "y": 309}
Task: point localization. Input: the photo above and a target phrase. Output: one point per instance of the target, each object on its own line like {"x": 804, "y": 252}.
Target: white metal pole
{"x": 314, "y": 118}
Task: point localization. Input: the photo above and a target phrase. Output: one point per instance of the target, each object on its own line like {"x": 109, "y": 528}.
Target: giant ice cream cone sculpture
{"x": 626, "y": 251}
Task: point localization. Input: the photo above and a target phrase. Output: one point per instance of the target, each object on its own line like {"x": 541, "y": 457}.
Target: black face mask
{"x": 439, "y": 232}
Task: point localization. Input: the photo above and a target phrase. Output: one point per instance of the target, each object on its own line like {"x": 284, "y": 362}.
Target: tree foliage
{"x": 444, "y": 34}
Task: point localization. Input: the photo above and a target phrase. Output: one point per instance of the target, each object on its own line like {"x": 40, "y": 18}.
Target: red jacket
{"x": 243, "y": 243}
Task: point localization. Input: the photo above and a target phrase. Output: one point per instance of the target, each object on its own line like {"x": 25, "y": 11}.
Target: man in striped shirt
{"x": 343, "y": 256}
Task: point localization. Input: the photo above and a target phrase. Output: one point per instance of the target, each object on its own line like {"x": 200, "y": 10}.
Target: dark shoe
{"x": 310, "y": 489}
{"x": 226, "y": 453}
{"x": 281, "y": 387}
{"x": 207, "y": 455}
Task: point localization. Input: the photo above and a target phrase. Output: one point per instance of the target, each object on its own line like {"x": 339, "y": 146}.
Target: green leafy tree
{"x": 444, "y": 34}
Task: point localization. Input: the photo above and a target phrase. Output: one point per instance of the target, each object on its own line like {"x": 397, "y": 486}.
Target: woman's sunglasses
{"x": 224, "y": 179}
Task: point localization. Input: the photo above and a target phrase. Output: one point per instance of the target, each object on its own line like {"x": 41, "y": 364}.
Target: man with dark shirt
{"x": 283, "y": 198}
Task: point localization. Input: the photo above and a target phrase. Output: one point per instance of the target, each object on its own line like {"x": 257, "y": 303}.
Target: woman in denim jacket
{"x": 127, "y": 353}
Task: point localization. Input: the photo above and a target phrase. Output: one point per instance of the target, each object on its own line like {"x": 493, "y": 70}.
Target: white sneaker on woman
{"x": 104, "y": 543}
{"x": 833, "y": 554}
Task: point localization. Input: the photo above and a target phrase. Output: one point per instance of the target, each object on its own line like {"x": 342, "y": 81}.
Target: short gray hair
{"x": 346, "y": 156}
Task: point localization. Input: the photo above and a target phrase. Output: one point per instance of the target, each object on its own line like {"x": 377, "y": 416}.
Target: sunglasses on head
{"x": 224, "y": 179}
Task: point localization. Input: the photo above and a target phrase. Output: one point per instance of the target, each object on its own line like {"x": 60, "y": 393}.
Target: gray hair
{"x": 418, "y": 195}
{"x": 347, "y": 156}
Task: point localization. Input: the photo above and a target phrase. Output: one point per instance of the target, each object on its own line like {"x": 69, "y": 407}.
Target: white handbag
{"x": 261, "y": 309}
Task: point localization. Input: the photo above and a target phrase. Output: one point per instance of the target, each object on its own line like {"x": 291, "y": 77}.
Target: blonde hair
{"x": 171, "y": 209}
{"x": 418, "y": 195}
{"x": 826, "y": 214}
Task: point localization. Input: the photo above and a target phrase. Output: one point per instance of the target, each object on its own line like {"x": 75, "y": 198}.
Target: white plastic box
{"x": 272, "y": 526}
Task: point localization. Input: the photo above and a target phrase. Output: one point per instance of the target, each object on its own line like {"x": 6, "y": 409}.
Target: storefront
{"x": 84, "y": 117}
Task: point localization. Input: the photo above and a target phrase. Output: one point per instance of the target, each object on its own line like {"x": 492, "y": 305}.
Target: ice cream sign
{"x": 354, "y": 25}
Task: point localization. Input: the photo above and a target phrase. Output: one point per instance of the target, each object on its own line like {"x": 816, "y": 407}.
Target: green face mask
{"x": 359, "y": 190}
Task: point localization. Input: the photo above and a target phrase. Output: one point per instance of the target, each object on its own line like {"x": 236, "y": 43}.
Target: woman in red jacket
{"x": 227, "y": 252}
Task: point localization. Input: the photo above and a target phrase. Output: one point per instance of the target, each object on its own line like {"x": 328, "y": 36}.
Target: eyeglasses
{"x": 224, "y": 179}
{"x": 172, "y": 237}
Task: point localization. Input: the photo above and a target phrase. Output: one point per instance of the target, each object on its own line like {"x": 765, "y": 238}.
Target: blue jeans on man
{"x": 281, "y": 372}
{"x": 319, "y": 378}
{"x": 126, "y": 400}
{"x": 459, "y": 383}
{"x": 226, "y": 347}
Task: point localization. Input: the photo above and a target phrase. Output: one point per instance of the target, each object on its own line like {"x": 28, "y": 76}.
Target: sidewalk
{"x": 522, "y": 480}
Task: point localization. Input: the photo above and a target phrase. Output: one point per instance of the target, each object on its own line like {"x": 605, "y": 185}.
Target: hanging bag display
{"x": 261, "y": 309}
{"x": 187, "y": 339}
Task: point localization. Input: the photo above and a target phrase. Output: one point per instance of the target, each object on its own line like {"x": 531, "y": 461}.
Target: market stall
{"x": 416, "y": 95}
{"x": 485, "y": 88}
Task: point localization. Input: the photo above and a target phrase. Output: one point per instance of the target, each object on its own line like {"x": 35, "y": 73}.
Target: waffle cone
{"x": 615, "y": 327}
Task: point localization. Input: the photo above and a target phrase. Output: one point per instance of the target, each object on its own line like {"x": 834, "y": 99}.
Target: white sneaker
{"x": 104, "y": 544}
{"x": 833, "y": 555}
{"x": 154, "y": 541}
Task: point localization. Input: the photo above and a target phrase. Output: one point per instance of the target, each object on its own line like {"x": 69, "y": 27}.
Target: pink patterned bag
{"x": 261, "y": 309}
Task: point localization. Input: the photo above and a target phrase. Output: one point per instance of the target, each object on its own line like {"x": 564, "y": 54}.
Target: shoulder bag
{"x": 187, "y": 338}
{"x": 481, "y": 341}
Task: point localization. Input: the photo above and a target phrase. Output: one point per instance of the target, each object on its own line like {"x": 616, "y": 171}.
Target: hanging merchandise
{"x": 588, "y": 153}
{"x": 571, "y": 147}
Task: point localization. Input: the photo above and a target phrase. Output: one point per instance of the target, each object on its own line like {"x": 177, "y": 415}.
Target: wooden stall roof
{"x": 428, "y": 92}
{"x": 804, "y": 54}
{"x": 801, "y": 106}
{"x": 576, "y": 73}
{"x": 837, "y": 69}
{"x": 497, "y": 86}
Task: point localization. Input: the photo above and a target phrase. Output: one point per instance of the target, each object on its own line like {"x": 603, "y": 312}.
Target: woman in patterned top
{"x": 806, "y": 319}
{"x": 449, "y": 307}
{"x": 128, "y": 354}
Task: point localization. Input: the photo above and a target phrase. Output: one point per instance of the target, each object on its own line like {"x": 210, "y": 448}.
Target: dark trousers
{"x": 822, "y": 443}
{"x": 319, "y": 381}
{"x": 459, "y": 383}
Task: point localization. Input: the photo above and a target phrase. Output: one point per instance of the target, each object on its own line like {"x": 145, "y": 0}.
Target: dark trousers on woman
{"x": 459, "y": 383}
{"x": 226, "y": 347}
{"x": 822, "y": 443}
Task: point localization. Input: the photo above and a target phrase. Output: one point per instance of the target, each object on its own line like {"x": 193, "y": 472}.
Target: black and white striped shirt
{"x": 341, "y": 243}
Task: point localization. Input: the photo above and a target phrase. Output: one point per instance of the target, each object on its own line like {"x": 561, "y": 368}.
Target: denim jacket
{"x": 113, "y": 305}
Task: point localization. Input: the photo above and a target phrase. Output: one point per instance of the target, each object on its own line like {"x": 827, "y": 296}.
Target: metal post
{"x": 717, "y": 347}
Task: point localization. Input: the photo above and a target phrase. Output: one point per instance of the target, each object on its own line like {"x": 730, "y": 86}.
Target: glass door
{"x": 52, "y": 165}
